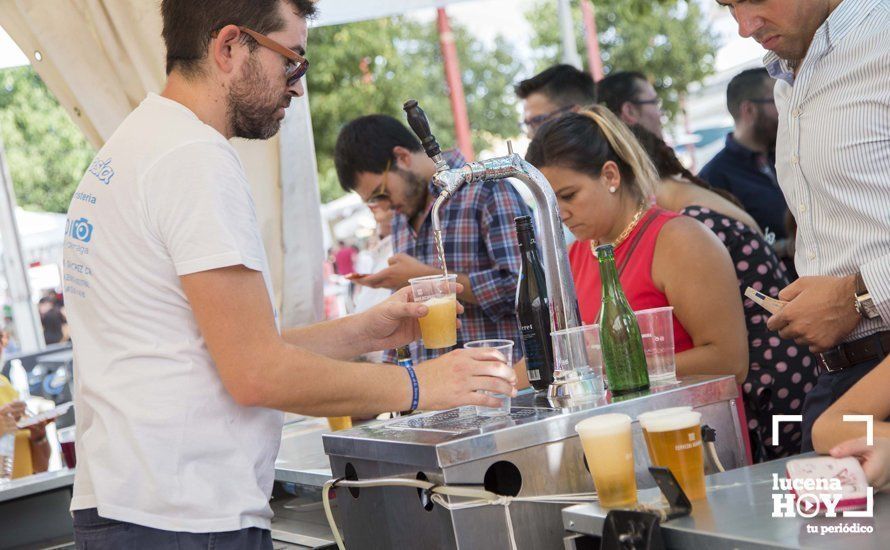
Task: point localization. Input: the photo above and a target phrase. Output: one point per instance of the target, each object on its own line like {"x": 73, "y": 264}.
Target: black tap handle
{"x": 421, "y": 126}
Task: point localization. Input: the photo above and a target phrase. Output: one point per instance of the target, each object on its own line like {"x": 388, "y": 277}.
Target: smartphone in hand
{"x": 766, "y": 302}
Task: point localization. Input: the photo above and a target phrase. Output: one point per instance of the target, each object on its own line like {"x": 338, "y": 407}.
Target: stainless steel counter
{"x": 738, "y": 514}
{"x": 37, "y": 483}
{"x": 457, "y": 436}
{"x": 34, "y": 510}
{"x": 301, "y": 458}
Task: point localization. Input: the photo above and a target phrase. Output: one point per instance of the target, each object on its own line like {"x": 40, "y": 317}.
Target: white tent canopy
{"x": 101, "y": 57}
{"x": 336, "y": 12}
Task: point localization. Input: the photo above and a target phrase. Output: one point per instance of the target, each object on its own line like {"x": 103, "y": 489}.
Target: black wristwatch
{"x": 865, "y": 306}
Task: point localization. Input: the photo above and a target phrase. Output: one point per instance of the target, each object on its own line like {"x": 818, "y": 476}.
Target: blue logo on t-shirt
{"x": 80, "y": 230}
{"x": 102, "y": 170}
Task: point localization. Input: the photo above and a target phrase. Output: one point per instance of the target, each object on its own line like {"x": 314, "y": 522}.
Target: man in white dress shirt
{"x": 831, "y": 61}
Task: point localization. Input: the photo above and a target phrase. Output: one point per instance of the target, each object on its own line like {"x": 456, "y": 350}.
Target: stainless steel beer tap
{"x": 572, "y": 381}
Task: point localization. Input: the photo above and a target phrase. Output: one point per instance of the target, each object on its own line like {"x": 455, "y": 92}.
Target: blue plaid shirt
{"x": 480, "y": 241}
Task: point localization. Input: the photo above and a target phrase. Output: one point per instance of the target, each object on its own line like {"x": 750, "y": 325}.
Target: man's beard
{"x": 415, "y": 192}
{"x": 253, "y": 104}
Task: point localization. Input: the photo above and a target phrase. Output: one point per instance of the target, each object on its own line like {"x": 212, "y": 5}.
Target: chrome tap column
{"x": 571, "y": 379}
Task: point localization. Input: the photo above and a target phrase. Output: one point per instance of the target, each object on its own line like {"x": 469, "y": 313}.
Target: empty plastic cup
{"x": 657, "y": 330}
{"x": 506, "y": 349}
{"x": 567, "y": 344}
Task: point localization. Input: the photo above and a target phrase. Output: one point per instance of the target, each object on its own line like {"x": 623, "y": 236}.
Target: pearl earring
{"x": 612, "y": 189}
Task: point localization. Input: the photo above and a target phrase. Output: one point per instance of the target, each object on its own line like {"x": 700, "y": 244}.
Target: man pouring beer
{"x": 180, "y": 368}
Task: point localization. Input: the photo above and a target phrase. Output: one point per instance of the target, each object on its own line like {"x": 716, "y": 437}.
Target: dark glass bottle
{"x": 533, "y": 309}
{"x": 622, "y": 345}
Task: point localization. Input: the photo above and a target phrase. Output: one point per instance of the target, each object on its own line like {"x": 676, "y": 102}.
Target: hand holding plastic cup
{"x": 506, "y": 349}
{"x": 438, "y": 328}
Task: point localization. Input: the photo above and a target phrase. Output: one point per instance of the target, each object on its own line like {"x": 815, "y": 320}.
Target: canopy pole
{"x": 29, "y": 330}
{"x": 592, "y": 40}
{"x": 567, "y": 30}
{"x": 455, "y": 87}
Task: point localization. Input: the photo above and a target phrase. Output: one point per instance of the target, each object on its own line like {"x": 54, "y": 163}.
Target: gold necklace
{"x": 627, "y": 230}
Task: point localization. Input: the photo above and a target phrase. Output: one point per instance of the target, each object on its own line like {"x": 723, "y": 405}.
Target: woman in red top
{"x": 604, "y": 183}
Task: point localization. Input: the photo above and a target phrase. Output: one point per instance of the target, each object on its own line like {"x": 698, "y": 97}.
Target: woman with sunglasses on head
{"x": 780, "y": 372}
{"x": 604, "y": 183}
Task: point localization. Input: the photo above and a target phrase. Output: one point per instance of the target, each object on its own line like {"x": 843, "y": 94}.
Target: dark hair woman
{"x": 780, "y": 372}
{"x": 604, "y": 183}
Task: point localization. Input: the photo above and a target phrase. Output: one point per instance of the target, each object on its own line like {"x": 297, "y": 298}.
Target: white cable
{"x": 326, "y": 501}
{"x": 712, "y": 452}
{"x": 480, "y": 497}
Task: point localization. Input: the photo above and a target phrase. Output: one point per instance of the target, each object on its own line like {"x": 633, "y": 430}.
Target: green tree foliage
{"x": 667, "y": 40}
{"x": 46, "y": 151}
{"x": 374, "y": 66}
{"x": 357, "y": 69}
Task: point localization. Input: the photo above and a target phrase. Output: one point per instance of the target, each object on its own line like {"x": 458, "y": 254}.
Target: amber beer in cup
{"x": 338, "y": 423}
{"x": 438, "y": 328}
{"x": 608, "y": 446}
{"x": 646, "y": 416}
{"x": 674, "y": 441}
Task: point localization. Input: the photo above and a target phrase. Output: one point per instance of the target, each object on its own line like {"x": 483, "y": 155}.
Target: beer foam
{"x": 438, "y": 301}
{"x": 644, "y": 418}
{"x": 670, "y": 422}
{"x": 604, "y": 424}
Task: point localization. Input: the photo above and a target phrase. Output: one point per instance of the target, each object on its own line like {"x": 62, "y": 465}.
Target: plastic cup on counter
{"x": 608, "y": 446}
{"x": 657, "y": 330}
{"x": 66, "y": 442}
{"x": 338, "y": 423}
{"x": 567, "y": 354}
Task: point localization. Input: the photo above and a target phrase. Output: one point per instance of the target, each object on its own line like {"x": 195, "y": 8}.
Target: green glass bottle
{"x": 622, "y": 345}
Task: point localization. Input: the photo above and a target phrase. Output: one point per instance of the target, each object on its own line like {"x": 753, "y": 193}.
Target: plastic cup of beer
{"x": 438, "y": 328}
{"x": 506, "y": 349}
{"x": 675, "y": 443}
{"x": 644, "y": 418}
{"x": 657, "y": 330}
{"x": 608, "y": 446}
{"x": 338, "y": 423}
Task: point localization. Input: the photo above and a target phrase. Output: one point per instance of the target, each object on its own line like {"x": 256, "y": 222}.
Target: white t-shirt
{"x": 160, "y": 442}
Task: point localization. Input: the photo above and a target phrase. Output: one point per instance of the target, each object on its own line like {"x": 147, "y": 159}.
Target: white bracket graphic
{"x": 869, "y": 425}
{"x": 783, "y": 418}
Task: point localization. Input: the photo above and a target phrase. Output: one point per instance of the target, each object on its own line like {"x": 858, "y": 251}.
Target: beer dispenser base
{"x": 575, "y": 387}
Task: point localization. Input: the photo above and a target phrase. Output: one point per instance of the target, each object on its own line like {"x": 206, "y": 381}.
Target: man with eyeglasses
{"x": 181, "y": 369}
{"x": 379, "y": 158}
{"x": 632, "y": 98}
{"x": 830, "y": 61}
{"x": 746, "y": 167}
{"x": 552, "y": 92}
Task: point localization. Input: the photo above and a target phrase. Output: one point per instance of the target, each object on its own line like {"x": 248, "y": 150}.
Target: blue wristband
{"x": 415, "y": 389}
